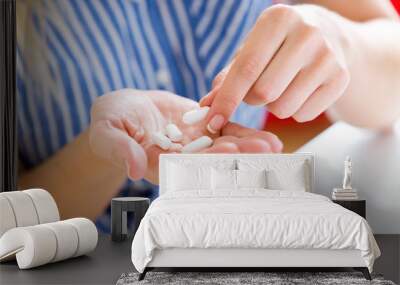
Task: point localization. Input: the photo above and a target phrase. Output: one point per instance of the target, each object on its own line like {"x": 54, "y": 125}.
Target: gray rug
{"x": 231, "y": 278}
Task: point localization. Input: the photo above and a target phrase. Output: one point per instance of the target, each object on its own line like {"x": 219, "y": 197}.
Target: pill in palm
{"x": 161, "y": 140}
{"x": 173, "y": 132}
{"x": 198, "y": 144}
{"x": 195, "y": 115}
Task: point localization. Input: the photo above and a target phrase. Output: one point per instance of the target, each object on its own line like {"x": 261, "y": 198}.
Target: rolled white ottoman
{"x": 33, "y": 246}
{"x": 87, "y": 234}
{"x": 7, "y": 218}
{"x": 40, "y": 244}
{"x": 46, "y": 207}
{"x": 67, "y": 240}
{"x": 26, "y": 208}
{"x": 23, "y": 208}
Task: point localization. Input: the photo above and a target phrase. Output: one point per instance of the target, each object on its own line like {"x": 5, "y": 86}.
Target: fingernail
{"x": 215, "y": 124}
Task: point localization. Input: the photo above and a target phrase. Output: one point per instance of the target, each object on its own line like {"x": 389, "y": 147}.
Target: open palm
{"x": 122, "y": 123}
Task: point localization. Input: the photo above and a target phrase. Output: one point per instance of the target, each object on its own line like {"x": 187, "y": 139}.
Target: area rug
{"x": 243, "y": 278}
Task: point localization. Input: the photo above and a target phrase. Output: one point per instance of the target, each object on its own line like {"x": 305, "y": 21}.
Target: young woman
{"x": 300, "y": 60}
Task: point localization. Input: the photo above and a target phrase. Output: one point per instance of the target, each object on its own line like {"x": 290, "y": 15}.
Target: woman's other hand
{"x": 293, "y": 61}
{"x": 123, "y": 121}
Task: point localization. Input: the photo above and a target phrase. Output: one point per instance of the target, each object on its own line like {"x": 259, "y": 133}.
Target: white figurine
{"x": 347, "y": 174}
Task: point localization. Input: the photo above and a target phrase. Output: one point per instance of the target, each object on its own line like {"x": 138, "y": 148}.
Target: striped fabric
{"x": 75, "y": 50}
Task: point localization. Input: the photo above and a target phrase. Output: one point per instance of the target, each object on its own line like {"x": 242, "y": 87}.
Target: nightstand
{"x": 357, "y": 206}
{"x": 119, "y": 208}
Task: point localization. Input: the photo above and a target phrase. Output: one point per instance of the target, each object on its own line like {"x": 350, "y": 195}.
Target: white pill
{"x": 196, "y": 115}
{"x": 174, "y": 133}
{"x": 161, "y": 140}
{"x": 197, "y": 145}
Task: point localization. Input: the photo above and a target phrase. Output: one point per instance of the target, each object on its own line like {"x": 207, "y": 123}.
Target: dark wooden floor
{"x": 110, "y": 260}
{"x": 389, "y": 262}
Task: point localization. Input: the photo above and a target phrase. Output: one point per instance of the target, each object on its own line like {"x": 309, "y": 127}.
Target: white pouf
{"x": 7, "y": 218}
{"x": 23, "y": 208}
{"x": 67, "y": 240}
{"x": 40, "y": 244}
{"x": 87, "y": 234}
{"x": 33, "y": 246}
{"x": 45, "y": 205}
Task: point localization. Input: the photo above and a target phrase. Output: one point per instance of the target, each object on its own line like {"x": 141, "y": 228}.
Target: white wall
{"x": 376, "y": 170}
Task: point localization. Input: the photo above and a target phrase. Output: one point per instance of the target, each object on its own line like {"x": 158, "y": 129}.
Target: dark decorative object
{"x": 8, "y": 122}
{"x": 357, "y": 206}
{"x": 119, "y": 208}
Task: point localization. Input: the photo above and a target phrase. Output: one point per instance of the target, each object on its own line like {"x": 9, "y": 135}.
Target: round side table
{"x": 120, "y": 206}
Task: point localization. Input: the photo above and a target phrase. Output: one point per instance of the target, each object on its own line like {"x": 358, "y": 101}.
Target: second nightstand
{"x": 357, "y": 206}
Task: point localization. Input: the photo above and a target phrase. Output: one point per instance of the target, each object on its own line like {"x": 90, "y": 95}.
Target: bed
{"x": 243, "y": 211}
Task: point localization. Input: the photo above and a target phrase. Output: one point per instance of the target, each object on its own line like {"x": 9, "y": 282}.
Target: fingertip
{"x": 221, "y": 110}
{"x": 136, "y": 165}
{"x": 139, "y": 136}
{"x": 128, "y": 153}
{"x": 205, "y": 101}
{"x": 276, "y": 144}
{"x": 216, "y": 123}
{"x": 278, "y": 148}
{"x": 208, "y": 99}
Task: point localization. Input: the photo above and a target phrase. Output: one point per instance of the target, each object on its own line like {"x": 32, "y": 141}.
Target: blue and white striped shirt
{"x": 73, "y": 51}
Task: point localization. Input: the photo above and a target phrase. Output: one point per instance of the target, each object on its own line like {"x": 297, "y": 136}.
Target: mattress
{"x": 250, "y": 219}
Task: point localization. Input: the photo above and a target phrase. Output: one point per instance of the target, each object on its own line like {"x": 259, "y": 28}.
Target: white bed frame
{"x": 243, "y": 259}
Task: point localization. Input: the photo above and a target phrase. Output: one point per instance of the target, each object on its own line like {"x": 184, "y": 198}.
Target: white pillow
{"x": 182, "y": 177}
{"x": 223, "y": 179}
{"x": 292, "y": 179}
{"x": 251, "y": 178}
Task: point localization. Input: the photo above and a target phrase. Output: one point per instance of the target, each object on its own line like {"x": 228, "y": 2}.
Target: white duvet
{"x": 251, "y": 218}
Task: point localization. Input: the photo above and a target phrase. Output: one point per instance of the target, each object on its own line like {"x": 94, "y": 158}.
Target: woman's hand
{"x": 293, "y": 61}
{"x": 122, "y": 123}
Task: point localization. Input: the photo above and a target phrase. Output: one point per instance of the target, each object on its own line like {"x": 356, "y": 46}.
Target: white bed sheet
{"x": 251, "y": 218}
